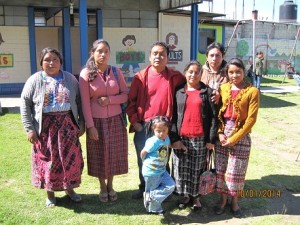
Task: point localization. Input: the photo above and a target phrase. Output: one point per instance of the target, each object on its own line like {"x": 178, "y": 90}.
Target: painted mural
{"x": 277, "y": 53}
{"x": 175, "y": 55}
{"x": 129, "y": 58}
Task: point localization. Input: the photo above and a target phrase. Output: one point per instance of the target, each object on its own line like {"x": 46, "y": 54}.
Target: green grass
{"x": 275, "y": 144}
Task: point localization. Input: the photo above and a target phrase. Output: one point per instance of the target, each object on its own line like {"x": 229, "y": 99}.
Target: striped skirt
{"x": 188, "y": 167}
{"x": 231, "y": 166}
{"x": 108, "y": 156}
{"x": 57, "y": 161}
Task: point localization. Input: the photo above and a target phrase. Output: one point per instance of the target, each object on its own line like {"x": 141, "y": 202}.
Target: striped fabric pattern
{"x": 231, "y": 166}
{"x": 109, "y": 155}
{"x": 57, "y": 161}
{"x": 188, "y": 167}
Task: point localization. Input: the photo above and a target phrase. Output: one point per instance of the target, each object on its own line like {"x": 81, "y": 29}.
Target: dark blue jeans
{"x": 256, "y": 79}
{"x": 139, "y": 140}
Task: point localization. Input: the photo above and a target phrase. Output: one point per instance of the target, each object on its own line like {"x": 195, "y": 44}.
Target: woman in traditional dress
{"x": 102, "y": 91}
{"x": 195, "y": 121}
{"x": 238, "y": 113}
{"x": 52, "y": 117}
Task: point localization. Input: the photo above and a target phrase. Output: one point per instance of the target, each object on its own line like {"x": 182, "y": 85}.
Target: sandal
{"x": 74, "y": 196}
{"x": 50, "y": 203}
{"x": 103, "y": 197}
{"x": 112, "y": 195}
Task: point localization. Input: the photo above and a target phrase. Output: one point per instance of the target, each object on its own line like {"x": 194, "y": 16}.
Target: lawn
{"x": 271, "y": 195}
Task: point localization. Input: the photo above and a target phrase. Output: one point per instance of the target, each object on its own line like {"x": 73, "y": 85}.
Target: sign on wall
{"x": 6, "y": 60}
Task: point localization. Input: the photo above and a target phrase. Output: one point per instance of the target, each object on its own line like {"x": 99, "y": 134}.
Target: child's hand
{"x": 143, "y": 154}
{"x": 178, "y": 145}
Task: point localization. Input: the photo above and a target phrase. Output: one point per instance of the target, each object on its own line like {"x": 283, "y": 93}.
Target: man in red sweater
{"x": 151, "y": 94}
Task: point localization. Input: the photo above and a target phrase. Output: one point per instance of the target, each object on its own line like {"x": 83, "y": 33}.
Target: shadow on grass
{"x": 273, "y": 102}
{"x": 125, "y": 205}
{"x": 271, "y": 195}
{"x": 270, "y": 80}
{"x": 6, "y": 110}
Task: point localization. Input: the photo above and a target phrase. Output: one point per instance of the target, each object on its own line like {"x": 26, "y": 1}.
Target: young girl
{"x": 240, "y": 103}
{"x": 159, "y": 184}
{"x": 195, "y": 119}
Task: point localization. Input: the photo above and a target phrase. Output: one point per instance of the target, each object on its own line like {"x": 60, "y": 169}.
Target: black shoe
{"x": 183, "y": 205}
{"x": 219, "y": 210}
{"x": 137, "y": 194}
{"x": 237, "y": 213}
{"x": 196, "y": 208}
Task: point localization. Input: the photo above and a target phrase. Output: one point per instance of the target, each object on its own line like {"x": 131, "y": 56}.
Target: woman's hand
{"x": 103, "y": 101}
{"x": 227, "y": 144}
{"x": 32, "y": 137}
{"x": 93, "y": 133}
{"x": 215, "y": 98}
{"x": 224, "y": 141}
{"x": 210, "y": 146}
{"x": 222, "y": 138}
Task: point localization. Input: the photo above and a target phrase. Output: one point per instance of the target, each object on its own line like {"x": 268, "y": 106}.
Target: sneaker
{"x": 146, "y": 199}
{"x": 159, "y": 213}
{"x": 138, "y": 194}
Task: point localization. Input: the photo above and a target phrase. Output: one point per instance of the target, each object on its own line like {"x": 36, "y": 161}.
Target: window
{"x": 206, "y": 37}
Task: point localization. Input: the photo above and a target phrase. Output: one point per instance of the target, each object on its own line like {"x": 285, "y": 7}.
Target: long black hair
{"x": 91, "y": 64}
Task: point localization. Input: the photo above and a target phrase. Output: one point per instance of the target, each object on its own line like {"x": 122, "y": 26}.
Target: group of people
{"x": 207, "y": 108}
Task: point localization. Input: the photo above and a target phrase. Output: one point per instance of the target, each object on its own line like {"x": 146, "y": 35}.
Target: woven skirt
{"x": 108, "y": 156}
{"x": 57, "y": 161}
{"x": 231, "y": 166}
{"x": 188, "y": 167}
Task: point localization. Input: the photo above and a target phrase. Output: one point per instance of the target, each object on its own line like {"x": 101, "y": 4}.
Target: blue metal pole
{"x": 67, "y": 40}
{"x": 194, "y": 32}
{"x": 83, "y": 24}
{"x": 99, "y": 23}
{"x": 32, "y": 46}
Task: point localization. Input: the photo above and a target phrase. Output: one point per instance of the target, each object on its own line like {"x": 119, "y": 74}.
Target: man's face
{"x": 215, "y": 58}
{"x": 158, "y": 57}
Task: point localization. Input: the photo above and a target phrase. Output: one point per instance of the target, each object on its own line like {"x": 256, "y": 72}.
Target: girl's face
{"x": 192, "y": 75}
{"x": 236, "y": 74}
{"x": 101, "y": 54}
{"x": 161, "y": 131}
{"x": 51, "y": 64}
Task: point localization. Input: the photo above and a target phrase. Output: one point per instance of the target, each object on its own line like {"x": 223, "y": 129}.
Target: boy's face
{"x": 161, "y": 131}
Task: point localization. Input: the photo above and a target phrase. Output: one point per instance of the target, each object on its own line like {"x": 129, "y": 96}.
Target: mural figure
{"x": 129, "y": 42}
{"x": 175, "y": 56}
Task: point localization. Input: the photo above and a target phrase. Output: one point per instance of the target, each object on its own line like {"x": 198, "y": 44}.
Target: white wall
{"x": 16, "y": 42}
{"x": 181, "y": 26}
